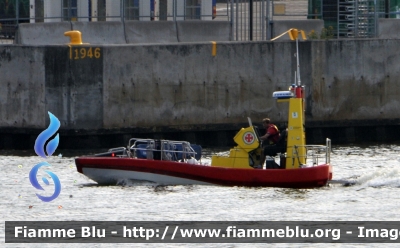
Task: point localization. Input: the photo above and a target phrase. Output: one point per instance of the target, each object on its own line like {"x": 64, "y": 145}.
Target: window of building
{"x": 39, "y": 11}
{"x": 193, "y": 9}
{"x": 131, "y": 9}
{"x": 101, "y": 10}
{"x": 163, "y": 10}
{"x": 70, "y": 10}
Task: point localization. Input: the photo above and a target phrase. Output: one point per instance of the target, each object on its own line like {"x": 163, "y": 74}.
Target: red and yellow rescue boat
{"x": 169, "y": 162}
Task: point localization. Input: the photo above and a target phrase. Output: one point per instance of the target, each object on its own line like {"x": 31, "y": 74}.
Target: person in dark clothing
{"x": 269, "y": 139}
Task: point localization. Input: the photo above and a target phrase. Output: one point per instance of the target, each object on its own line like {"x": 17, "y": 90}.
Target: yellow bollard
{"x": 214, "y": 48}
{"x": 75, "y": 37}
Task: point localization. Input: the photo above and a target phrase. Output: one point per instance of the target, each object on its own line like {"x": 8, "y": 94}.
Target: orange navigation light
{"x": 293, "y": 33}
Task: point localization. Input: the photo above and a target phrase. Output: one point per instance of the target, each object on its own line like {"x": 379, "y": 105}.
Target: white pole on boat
{"x": 294, "y": 34}
{"x": 298, "y": 63}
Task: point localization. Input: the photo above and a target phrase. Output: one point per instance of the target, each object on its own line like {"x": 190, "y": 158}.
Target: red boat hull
{"x": 310, "y": 177}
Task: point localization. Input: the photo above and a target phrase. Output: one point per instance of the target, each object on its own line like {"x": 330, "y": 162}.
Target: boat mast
{"x": 296, "y": 138}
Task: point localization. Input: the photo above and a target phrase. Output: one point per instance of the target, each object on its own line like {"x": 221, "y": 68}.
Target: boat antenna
{"x": 293, "y": 34}
{"x": 298, "y": 63}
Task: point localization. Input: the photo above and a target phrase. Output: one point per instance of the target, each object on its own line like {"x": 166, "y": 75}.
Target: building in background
{"x": 13, "y": 12}
{"x": 115, "y": 10}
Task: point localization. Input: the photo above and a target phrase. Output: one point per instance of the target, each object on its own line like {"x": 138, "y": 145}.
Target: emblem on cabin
{"x": 248, "y": 138}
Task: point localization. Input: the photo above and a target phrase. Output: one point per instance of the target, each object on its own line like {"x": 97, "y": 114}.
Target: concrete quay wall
{"x": 105, "y": 94}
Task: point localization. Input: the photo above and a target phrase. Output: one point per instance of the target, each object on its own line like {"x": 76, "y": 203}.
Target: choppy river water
{"x": 366, "y": 188}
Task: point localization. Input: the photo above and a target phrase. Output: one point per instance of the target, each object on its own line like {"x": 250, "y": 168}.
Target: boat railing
{"x": 116, "y": 149}
{"x": 170, "y": 150}
{"x": 313, "y": 154}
